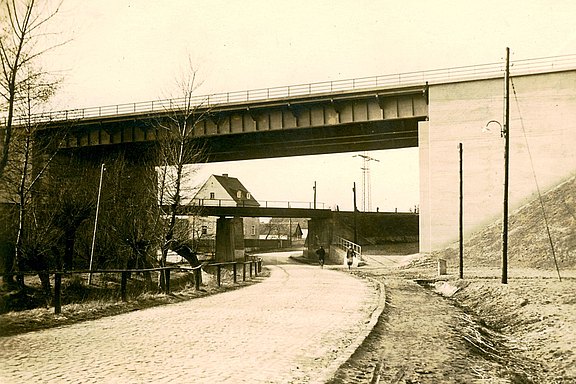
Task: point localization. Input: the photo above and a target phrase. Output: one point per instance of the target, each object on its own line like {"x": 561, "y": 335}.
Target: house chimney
{"x": 225, "y": 174}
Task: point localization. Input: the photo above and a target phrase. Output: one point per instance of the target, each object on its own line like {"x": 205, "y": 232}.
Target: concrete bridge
{"x": 434, "y": 110}
{"x": 324, "y": 226}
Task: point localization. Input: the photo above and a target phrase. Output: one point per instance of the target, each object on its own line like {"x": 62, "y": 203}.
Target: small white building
{"x": 224, "y": 191}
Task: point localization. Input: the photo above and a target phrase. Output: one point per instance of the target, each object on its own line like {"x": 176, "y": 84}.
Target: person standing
{"x": 321, "y": 256}
{"x": 350, "y": 257}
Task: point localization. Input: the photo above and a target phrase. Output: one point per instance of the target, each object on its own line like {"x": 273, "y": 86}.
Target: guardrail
{"x": 251, "y": 203}
{"x": 255, "y": 264}
{"x": 436, "y": 76}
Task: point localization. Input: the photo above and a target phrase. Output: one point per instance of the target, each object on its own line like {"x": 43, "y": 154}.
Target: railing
{"x": 251, "y": 203}
{"x": 437, "y": 76}
{"x": 346, "y": 244}
{"x": 253, "y": 263}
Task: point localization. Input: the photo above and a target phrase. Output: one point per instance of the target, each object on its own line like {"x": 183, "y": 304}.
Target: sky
{"x": 123, "y": 51}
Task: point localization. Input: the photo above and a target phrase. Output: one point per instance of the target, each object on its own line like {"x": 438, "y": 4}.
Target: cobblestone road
{"x": 293, "y": 327}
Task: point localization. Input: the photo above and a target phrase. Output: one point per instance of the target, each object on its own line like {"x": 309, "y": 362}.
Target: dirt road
{"x": 424, "y": 338}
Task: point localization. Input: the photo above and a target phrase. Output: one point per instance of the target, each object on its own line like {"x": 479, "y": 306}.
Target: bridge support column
{"x": 229, "y": 239}
{"x": 319, "y": 233}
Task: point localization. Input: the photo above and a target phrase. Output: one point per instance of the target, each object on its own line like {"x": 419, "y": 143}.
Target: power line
{"x": 537, "y": 186}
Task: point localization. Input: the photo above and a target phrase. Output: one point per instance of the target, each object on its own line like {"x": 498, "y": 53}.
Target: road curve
{"x": 290, "y": 328}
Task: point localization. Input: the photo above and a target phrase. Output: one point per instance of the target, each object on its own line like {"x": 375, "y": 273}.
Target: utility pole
{"x": 314, "y": 187}
{"x": 366, "y": 185}
{"x": 506, "y": 133}
{"x": 461, "y": 221}
{"x": 355, "y": 213}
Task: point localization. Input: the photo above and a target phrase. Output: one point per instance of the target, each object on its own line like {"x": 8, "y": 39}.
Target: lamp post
{"x": 95, "y": 223}
{"x": 460, "y": 215}
{"x": 505, "y": 133}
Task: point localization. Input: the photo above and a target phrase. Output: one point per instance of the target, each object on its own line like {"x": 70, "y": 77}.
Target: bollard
{"x": 441, "y": 267}
{"x": 218, "y": 269}
{"x": 260, "y": 266}
{"x": 256, "y": 269}
{"x": 244, "y": 271}
{"x": 123, "y": 283}
{"x": 57, "y": 292}
{"x": 251, "y": 269}
{"x": 234, "y": 272}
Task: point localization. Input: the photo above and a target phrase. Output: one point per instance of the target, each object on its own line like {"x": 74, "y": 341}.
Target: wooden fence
{"x": 254, "y": 263}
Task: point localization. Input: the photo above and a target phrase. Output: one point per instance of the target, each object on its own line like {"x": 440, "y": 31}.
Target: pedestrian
{"x": 349, "y": 257}
{"x": 321, "y": 255}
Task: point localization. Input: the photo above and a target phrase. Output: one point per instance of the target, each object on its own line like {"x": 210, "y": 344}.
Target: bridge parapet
{"x": 250, "y": 203}
{"x": 380, "y": 82}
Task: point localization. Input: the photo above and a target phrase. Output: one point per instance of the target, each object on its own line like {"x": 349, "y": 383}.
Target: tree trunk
{"x": 69, "y": 240}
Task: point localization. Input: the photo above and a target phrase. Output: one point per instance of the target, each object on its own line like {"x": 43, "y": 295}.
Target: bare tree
{"x": 31, "y": 156}
{"x": 23, "y": 27}
{"x": 177, "y": 149}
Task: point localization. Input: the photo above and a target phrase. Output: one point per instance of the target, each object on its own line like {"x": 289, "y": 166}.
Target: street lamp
{"x": 505, "y": 132}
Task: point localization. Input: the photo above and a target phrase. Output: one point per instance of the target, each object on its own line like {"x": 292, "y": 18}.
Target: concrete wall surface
{"x": 542, "y": 149}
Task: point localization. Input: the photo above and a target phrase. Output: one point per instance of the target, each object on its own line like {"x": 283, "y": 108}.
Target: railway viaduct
{"x": 432, "y": 110}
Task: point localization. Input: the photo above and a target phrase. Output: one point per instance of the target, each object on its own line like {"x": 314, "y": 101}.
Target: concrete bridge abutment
{"x": 542, "y": 150}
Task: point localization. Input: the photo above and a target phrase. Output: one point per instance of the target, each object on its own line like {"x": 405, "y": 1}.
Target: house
{"x": 225, "y": 191}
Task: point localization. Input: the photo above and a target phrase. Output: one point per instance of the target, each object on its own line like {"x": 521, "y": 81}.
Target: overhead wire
{"x": 541, "y": 201}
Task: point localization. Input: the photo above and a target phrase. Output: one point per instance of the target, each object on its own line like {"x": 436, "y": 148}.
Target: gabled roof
{"x": 232, "y": 185}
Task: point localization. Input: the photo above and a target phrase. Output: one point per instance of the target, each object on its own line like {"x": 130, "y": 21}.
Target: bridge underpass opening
{"x": 280, "y": 181}
{"x": 289, "y": 182}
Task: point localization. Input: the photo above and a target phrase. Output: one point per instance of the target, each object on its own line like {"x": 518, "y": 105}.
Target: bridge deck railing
{"x": 436, "y": 76}
{"x": 251, "y": 203}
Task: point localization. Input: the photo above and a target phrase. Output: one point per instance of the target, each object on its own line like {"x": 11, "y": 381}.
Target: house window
{"x": 253, "y": 230}
{"x": 212, "y": 195}
{"x": 239, "y": 194}
{"x": 248, "y": 195}
{"x": 204, "y": 229}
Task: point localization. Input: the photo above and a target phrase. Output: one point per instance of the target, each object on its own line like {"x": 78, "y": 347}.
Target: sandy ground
{"x": 474, "y": 330}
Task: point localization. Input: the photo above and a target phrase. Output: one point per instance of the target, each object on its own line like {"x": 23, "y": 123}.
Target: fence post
{"x": 123, "y": 283}
{"x": 218, "y": 268}
{"x": 57, "y": 292}
{"x": 251, "y": 269}
{"x": 167, "y": 275}
{"x": 256, "y": 268}
{"x": 234, "y": 272}
{"x": 197, "y": 273}
{"x": 244, "y": 271}
{"x": 260, "y": 266}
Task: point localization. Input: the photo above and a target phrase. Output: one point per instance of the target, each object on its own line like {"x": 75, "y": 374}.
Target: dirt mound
{"x": 537, "y": 315}
{"x": 528, "y": 241}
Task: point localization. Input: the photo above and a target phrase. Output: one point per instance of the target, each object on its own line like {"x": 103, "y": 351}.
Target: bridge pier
{"x": 229, "y": 239}
{"x": 319, "y": 233}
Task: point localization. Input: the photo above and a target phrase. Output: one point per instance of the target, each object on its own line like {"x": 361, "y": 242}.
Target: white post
{"x": 95, "y": 224}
